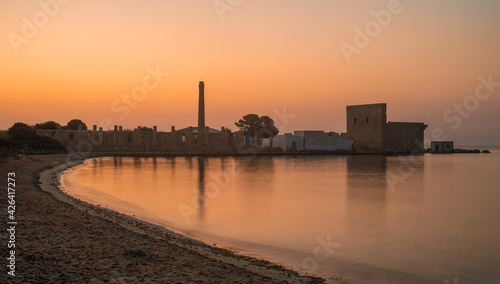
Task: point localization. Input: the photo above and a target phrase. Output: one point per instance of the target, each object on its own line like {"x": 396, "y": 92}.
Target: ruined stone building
{"x": 142, "y": 139}
{"x": 367, "y": 132}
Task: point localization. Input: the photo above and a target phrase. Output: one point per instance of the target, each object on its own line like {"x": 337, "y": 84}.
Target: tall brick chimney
{"x": 201, "y": 111}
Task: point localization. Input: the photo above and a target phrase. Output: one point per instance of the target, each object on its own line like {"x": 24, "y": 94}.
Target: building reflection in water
{"x": 171, "y": 161}
{"x": 137, "y": 163}
{"x": 94, "y": 166}
{"x": 202, "y": 162}
{"x": 366, "y": 176}
{"x": 189, "y": 160}
{"x": 366, "y": 199}
{"x": 257, "y": 173}
{"x": 118, "y": 165}
{"x": 253, "y": 176}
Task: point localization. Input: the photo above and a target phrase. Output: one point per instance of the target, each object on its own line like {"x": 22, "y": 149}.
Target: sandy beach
{"x": 60, "y": 239}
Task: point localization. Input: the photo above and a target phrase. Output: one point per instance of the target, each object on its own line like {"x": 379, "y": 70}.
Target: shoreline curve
{"x": 50, "y": 181}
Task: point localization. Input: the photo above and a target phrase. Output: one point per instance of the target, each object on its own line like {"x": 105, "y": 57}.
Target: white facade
{"x": 285, "y": 141}
{"x": 320, "y": 140}
{"x": 314, "y": 140}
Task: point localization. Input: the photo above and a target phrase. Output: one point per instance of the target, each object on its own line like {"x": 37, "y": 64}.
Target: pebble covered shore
{"x": 60, "y": 239}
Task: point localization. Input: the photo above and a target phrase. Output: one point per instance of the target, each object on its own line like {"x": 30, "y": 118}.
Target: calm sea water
{"x": 370, "y": 219}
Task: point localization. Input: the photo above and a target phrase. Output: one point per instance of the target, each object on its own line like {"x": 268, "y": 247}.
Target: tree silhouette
{"x": 21, "y": 132}
{"x": 48, "y": 125}
{"x": 251, "y": 123}
{"x": 74, "y": 123}
{"x": 145, "y": 128}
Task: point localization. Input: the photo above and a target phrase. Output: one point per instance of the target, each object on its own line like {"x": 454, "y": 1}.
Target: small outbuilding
{"x": 441, "y": 146}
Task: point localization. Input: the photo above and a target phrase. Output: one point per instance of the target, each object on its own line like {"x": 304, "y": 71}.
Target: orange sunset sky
{"x": 61, "y": 60}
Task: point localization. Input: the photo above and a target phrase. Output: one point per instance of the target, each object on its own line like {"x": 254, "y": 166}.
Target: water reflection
{"x": 189, "y": 160}
{"x": 137, "y": 163}
{"x": 171, "y": 161}
{"x": 432, "y": 220}
{"x": 366, "y": 200}
{"x": 256, "y": 173}
{"x": 94, "y": 166}
{"x": 223, "y": 160}
{"x": 201, "y": 187}
{"x": 118, "y": 165}
{"x": 366, "y": 176}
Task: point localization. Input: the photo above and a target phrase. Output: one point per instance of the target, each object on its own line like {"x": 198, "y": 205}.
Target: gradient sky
{"x": 258, "y": 57}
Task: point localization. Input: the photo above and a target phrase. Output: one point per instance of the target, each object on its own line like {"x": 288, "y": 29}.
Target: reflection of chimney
{"x": 201, "y": 111}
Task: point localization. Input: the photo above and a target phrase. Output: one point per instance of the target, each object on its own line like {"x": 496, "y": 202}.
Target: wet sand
{"x": 60, "y": 239}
